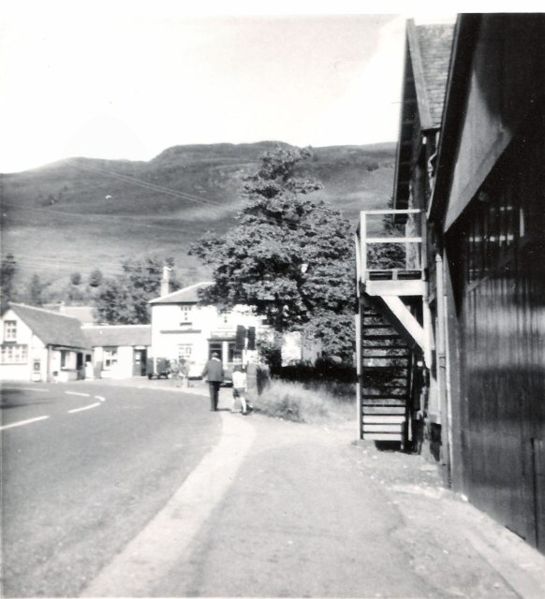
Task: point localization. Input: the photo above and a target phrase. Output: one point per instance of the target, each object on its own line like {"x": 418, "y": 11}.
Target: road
{"x": 118, "y": 491}
{"x": 84, "y": 468}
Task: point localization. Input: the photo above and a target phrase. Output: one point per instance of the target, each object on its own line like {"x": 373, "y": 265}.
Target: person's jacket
{"x": 213, "y": 371}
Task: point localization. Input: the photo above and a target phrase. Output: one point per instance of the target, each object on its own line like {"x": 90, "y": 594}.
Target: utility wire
{"x": 147, "y": 185}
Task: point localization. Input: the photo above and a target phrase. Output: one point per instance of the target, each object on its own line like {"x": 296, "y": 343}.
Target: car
{"x": 157, "y": 368}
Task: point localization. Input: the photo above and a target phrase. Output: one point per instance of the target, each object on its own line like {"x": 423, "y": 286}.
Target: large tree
{"x": 124, "y": 299}
{"x": 289, "y": 257}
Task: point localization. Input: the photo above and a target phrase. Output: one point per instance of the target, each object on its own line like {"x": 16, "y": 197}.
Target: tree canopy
{"x": 8, "y": 270}
{"x": 124, "y": 299}
{"x": 37, "y": 295}
{"x": 289, "y": 257}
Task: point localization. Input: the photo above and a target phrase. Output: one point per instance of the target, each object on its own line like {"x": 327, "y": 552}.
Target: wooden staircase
{"x": 386, "y": 373}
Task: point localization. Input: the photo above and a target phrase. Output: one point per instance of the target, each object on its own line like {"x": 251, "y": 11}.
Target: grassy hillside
{"x": 80, "y": 214}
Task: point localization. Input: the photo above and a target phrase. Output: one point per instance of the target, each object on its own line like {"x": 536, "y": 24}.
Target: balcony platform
{"x": 399, "y": 287}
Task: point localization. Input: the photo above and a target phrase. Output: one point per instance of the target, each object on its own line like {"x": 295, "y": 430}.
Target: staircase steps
{"x": 386, "y": 367}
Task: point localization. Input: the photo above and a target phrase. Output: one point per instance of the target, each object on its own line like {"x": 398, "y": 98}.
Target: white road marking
{"x": 38, "y": 389}
{"x": 100, "y": 398}
{"x": 90, "y": 406}
{"x": 168, "y": 536}
{"x": 23, "y": 422}
{"x": 78, "y": 394}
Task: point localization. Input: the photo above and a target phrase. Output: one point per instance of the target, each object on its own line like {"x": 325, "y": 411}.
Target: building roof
{"x": 427, "y": 60}
{"x": 430, "y": 49}
{"x": 187, "y": 295}
{"x": 51, "y": 327}
{"x": 118, "y": 335}
{"x": 85, "y": 314}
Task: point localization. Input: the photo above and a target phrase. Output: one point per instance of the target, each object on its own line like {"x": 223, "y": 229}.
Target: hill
{"x": 79, "y": 214}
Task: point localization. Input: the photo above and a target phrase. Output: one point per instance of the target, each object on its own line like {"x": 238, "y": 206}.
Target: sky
{"x": 128, "y": 79}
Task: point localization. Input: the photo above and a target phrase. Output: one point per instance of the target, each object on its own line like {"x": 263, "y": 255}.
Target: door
{"x": 139, "y": 363}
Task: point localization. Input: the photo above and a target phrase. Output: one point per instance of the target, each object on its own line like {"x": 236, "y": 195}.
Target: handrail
{"x": 394, "y": 211}
{"x": 408, "y": 256}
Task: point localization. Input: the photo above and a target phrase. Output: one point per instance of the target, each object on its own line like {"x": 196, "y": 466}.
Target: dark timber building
{"x": 470, "y": 195}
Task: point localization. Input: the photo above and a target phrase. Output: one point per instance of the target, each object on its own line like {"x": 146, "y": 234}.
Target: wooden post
{"x": 363, "y": 245}
{"x": 358, "y": 264}
{"x": 359, "y": 369}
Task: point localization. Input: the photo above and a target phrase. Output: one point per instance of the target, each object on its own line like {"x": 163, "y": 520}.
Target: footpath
{"x": 311, "y": 512}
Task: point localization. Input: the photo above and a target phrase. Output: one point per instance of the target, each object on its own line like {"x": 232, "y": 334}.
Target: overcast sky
{"x": 129, "y": 79}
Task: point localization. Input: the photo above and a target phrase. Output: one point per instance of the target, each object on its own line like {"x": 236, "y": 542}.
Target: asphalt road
{"x": 84, "y": 469}
{"x": 119, "y": 491}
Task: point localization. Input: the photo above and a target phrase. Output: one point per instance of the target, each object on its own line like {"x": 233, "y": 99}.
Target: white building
{"x": 119, "y": 351}
{"x": 40, "y": 345}
{"x": 181, "y": 328}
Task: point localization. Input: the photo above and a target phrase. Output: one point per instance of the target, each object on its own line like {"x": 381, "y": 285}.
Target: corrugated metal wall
{"x": 502, "y": 315}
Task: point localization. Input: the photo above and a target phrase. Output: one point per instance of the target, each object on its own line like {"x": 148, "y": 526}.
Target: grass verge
{"x": 299, "y": 403}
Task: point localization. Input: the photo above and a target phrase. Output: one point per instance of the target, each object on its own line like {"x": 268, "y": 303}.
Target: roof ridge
{"x": 52, "y": 312}
{"x": 182, "y": 289}
{"x": 111, "y": 326}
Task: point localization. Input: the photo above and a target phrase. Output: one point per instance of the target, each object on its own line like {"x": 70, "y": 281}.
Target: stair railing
{"x": 389, "y": 245}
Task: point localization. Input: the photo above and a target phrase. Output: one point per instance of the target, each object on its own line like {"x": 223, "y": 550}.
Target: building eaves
{"x": 465, "y": 36}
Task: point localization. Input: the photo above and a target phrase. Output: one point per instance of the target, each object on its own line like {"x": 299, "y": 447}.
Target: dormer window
{"x": 185, "y": 318}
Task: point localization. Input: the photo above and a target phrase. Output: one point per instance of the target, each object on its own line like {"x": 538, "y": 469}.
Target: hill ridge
{"x": 81, "y": 213}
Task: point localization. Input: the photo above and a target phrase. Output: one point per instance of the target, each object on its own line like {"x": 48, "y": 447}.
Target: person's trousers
{"x": 214, "y": 387}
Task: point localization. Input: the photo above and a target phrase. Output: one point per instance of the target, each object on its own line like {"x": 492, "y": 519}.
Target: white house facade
{"x": 182, "y": 328}
{"x": 119, "y": 351}
{"x": 40, "y": 345}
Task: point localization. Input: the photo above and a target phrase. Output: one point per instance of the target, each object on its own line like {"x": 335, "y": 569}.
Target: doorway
{"x": 139, "y": 362}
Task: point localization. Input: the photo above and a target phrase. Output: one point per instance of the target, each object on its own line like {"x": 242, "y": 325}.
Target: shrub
{"x": 293, "y": 401}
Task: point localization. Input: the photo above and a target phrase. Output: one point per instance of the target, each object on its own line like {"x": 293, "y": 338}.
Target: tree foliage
{"x": 37, "y": 290}
{"x": 95, "y": 278}
{"x": 8, "y": 270}
{"x": 124, "y": 299}
{"x": 388, "y": 255}
{"x": 289, "y": 257}
{"x": 75, "y": 278}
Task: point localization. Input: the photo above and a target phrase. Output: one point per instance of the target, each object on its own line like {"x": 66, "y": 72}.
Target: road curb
{"x": 167, "y": 538}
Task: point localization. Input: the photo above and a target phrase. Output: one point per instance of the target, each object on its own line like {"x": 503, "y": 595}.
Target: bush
{"x": 293, "y": 401}
{"x": 323, "y": 370}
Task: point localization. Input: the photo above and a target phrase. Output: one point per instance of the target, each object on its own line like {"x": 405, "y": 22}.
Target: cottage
{"x": 183, "y": 328}
{"x": 40, "y": 345}
{"x": 119, "y": 351}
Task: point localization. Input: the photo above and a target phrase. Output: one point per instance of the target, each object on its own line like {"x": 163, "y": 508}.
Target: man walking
{"x": 213, "y": 372}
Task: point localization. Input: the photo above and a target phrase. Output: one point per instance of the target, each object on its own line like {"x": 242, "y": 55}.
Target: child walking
{"x": 240, "y": 386}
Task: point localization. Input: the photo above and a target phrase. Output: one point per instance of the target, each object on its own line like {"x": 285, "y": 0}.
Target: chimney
{"x": 165, "y": 281}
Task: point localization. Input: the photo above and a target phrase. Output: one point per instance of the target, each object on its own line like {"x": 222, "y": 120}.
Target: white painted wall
{"x": 124, "y": 367}
{"x": 170, "y": 329}
{"x": 36, "y": 350}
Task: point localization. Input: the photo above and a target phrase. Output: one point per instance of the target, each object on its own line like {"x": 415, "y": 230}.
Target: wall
{"x": 170, "y": 328}
{"x": 122, "y": 369}
{"x": 501, "y": 307}
{"x": 65, "y": 373}
{"x": 35, "y": 351}
{"x": 500, "y": 93}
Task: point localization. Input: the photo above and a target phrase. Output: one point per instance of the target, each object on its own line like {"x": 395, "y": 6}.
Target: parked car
{"x": 157, "y": 368}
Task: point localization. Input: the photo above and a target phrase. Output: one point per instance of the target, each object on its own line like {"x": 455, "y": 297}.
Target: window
{"x": 184, "y": 350}
{"x": 110, "y": 358}
{"x": 14, "y": 354}
{"x": 186, "y": 315}
{"x": 10, "y": 330}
